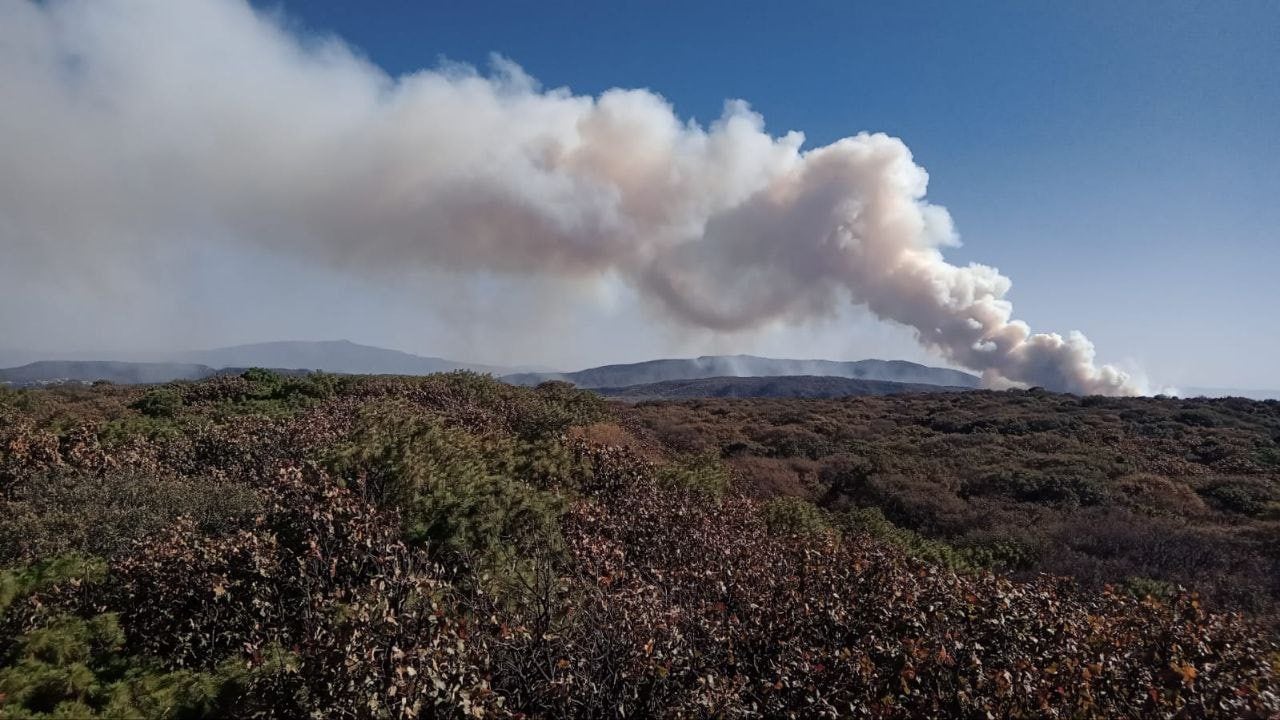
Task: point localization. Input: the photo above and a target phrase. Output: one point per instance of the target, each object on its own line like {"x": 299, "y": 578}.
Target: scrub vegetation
{"x": 452, "y": 546}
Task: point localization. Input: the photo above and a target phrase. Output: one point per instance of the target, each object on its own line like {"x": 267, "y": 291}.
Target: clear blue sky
{"x": 1118, "y": 160}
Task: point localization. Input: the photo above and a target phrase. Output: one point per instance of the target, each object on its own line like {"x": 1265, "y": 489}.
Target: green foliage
{"x": 1269, "y": 456}
{"x": 319, "y": 385}
{"x": 1006, "y": 555}
{"x": 61, "y": 512}
{"x": 1059, "y": 486}
{"x": 557, "y": 406}
{"x": 120, "y": 431}
{"x": 270, "y": 393}
{"x": 793, "y": 516}
{"x": 1144, "y": 587}
{"x": 453, "y": 489}
{"x": 161, "y": 402}
{"x": 485, "y": 404}
{"x": 261, "y": 392}
{"x": 872, "y": 522}
{"x": 19, "y": 582}
{"x": 65, "y": 665}
{"x": 701, "y": 473}
{"x": 271, "y": 385}
{"x": 1241, "y": 496}
{"x": 74, "y": 667}
{"x": 547, "y": 464}
{"x": 267, "y": 380}
{"x": 24, "y": 399}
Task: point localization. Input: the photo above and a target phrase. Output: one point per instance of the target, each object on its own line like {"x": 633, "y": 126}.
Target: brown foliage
{"x": 663, "y": 599}
{"x": 1107, "y": 490}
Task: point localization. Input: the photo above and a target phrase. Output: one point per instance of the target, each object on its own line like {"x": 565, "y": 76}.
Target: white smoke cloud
{"x": 131, "y": 126}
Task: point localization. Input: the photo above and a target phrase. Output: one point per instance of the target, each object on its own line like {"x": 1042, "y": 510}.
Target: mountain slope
{"x": 90, "y": 370}
{"x": 1214, "y": 392}
{"x": 789, "y": 386}
{"x": 339, "y": 356}
{"x": 712, "y": 366}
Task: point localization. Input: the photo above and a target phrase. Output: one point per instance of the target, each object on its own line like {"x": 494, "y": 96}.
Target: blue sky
{"x": 1118, "y": 160}
{"x": 237, "y": 177}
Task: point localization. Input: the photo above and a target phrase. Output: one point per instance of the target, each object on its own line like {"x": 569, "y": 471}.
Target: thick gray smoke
{"x": 129, "y": 124}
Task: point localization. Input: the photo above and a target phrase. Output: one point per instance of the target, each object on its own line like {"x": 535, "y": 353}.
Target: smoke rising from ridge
{"x": 131, "y": 126}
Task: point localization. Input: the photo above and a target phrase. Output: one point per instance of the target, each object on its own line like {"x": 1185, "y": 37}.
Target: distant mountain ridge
{"x": 122, "y": 372}
{"x": 342, "y": 356}
{"x": 337, "y": 356}
{"x": 721, "y": 366}
{"x": 784, "y": 386}
{"x": 1211, "y": 392}
{"x": 129, "y": 373}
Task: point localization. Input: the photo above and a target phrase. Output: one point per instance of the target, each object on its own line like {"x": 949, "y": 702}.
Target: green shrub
{"x": 21, "y": 581}
{"x": 556, "y": 406}
{"x": 72, "y": 667}
{"x": 793, "y": 516}
{"x": 162, "y": 402}
{"x": 1005, "y": 555}
{"x": 267, "y": 380}
{"x": 58, "y": 513}
{"x": 1243, "y": 496}
{"x": 319, "y": 385}
{"x": 271, "y": 385}
{"x": 1070, "y": 486}
{"x": 547, "y": 464}
{"x": 873, "y": 522}
{"x": 702, "y": 473}
{"x": 1269, "y": 456}
{"x": 454, "y": 491}
{"x": 1144, "y": 587}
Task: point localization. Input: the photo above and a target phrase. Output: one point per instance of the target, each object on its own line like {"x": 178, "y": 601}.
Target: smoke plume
{"x": 129, "y": 126}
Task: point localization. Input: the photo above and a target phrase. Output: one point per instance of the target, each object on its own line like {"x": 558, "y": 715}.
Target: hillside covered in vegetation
{"x": 452, "y": 546}
{"x": 787, "y": 386}
{"x": 1148, "y": 493}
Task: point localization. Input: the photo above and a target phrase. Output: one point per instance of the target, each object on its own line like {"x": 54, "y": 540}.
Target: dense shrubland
{"x": 451, "y": 546}
{"x": 1140, "y": 493}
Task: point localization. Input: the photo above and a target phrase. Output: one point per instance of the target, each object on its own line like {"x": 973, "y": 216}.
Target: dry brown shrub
{"x": 611, "y": 433}
{"x": 765, "y": 477}
{"x": 1160, "y": 494}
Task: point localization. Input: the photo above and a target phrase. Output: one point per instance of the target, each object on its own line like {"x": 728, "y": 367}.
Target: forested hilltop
{"x": 453, "y": 546}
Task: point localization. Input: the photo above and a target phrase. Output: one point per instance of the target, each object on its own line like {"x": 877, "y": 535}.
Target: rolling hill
{"x": 338, "y": 356}
{"x": 790, "y": 386}
{"x": 130, "y": 373}
{"x": 720, "y": 366}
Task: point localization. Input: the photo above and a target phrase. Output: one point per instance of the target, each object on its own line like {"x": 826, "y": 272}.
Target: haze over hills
{"x": 24, "y": 367}
{"x": 1213, "y": 392}
{"x": 719, "y": 366}
{"x": 788, "y": 386}
{"x": 130, "y": 373}
{"x": 342, "y": 356}
{"x": 337, "y": 356}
